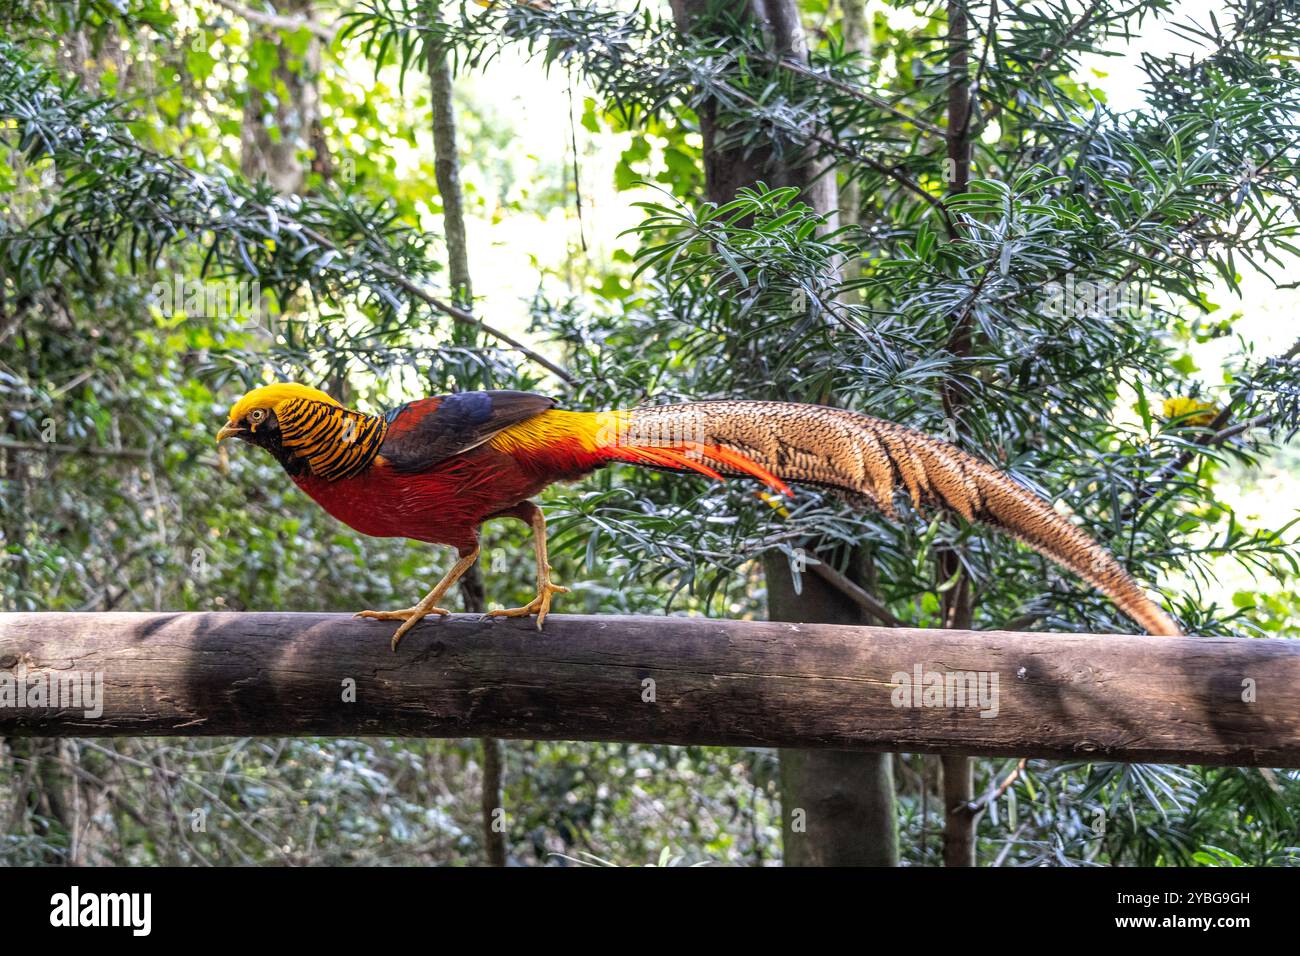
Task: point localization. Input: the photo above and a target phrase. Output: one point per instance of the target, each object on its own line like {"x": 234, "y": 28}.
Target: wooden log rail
{"x": 656, "y": 680}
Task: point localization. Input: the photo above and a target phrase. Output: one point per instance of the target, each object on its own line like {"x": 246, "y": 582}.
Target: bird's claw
{"x": 405, "y": 614}
{"x": 409, "y": 616}
{"x": 540, "y": 605}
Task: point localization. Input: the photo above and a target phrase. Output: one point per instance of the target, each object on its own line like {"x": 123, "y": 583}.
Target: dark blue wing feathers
{"x": 451, "y": 424}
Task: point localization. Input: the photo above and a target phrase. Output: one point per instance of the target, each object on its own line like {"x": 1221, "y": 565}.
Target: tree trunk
{"x": 293, "y": 111}
{"x": 959, "y": 836}
{"x": 446, "y": 165}
{"x": 857, "y": 39}
{"x": 959, "y": 820}
{"x": 838, "y": 807}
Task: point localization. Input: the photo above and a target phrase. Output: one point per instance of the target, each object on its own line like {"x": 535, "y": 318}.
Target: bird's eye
{"x": 257, "y": 416}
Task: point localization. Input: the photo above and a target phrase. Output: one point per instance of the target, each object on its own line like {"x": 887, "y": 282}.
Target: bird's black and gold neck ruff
{"x": 333, "y": 441}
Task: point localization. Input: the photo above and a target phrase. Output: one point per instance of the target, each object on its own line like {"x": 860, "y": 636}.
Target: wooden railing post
{"x": 745, "y": 683}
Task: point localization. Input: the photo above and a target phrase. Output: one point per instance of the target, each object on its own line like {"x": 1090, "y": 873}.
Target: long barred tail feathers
{"x": 867, "y": 458}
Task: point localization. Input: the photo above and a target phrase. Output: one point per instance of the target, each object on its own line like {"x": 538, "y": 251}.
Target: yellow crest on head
{"x": 270, "y": 396}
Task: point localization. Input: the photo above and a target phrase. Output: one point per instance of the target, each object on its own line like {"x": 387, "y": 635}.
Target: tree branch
{"x": 859, "y": 94}
{"x": 278, "y": 21}
{"x": 858, "y": 595}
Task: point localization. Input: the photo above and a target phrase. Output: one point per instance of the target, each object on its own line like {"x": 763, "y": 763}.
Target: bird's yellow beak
{"x": 229, "y": 430}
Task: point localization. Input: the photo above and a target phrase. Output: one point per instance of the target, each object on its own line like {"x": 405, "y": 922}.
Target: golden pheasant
{"x": 435, "y": 469}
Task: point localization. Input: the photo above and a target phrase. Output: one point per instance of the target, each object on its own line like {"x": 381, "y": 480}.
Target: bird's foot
{"x": 540, "y": 605}
{"x": 409, "y": 616}
{"x": 405, "y": 614}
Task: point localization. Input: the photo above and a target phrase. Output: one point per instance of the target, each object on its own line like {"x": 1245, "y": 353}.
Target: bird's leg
{"x": 412, "y": 615}
{"x": 540, "y": 605}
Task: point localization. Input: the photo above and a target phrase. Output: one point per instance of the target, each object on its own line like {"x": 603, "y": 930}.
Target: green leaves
{"x": 119, "y": 198}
